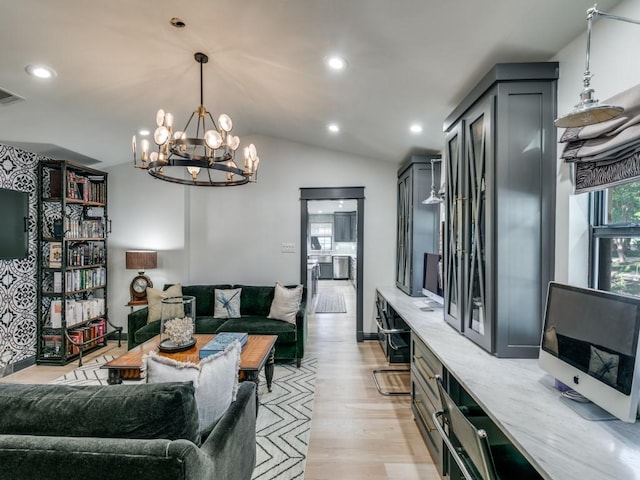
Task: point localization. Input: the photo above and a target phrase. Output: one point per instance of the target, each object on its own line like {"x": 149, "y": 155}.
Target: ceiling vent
{"x": 7, "y": 97}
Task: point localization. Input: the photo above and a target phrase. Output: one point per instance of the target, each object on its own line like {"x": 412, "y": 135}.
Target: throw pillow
{"x": 227, "y": 303}
{"x": 215, "y": 380}
{"x": 154, "y": 301}
{"x": 286, "y": 302}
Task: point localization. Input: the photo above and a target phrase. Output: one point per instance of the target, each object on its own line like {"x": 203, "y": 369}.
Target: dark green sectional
{"x": 114, "y": 432}
{"x": 255, "y": 304}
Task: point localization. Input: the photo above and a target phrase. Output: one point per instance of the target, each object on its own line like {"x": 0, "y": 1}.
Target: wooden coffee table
{"x": 257, "y": 354}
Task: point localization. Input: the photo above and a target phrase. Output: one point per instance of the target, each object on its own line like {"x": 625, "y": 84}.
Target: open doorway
{"x": 337, "y": 238}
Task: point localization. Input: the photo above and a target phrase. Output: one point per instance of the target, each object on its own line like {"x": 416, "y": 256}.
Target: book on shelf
{"x": 55, "y": 254}
{"x": 55, "y": 313}
{"x": 222, "y": 341}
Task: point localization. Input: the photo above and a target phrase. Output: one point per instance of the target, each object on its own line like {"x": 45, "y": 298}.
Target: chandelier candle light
{"x": 212, "y": 147}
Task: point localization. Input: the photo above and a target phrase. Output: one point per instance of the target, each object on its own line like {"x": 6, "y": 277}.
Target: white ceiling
{"x": 118, "y": 61}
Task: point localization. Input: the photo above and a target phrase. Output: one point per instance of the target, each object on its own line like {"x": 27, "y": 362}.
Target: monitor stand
{"x": 587, "y": 410}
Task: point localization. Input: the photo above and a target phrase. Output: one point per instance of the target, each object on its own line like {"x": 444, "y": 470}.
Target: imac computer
{"x": 590, "y": 344}
{"x": 433, "y": 285}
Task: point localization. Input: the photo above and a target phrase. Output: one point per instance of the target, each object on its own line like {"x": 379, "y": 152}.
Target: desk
{"x": 520, "y": 398}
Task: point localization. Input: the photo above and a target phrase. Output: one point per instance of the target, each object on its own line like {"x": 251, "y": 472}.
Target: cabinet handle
{"x": 424, "y": 420}
{"x": 424, "y": 372}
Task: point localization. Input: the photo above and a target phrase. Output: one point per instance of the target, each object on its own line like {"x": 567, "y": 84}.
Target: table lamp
{"x": 140, "y": 260}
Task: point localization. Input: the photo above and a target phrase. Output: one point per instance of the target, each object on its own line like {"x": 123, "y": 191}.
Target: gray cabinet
{"x": 500, "y": 161}
{"x": 425, "y": 399}
{"x": 344, "y": 227}
{"x": 418, "y": 228}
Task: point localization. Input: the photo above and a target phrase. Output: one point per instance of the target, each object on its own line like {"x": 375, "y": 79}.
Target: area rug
{"x": 284, "y": 415}
{"x": 330, "y": 302}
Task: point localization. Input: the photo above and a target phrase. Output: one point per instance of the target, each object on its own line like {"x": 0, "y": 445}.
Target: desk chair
{"x": 397, "y": 338}
{"x": 468, "y": 442}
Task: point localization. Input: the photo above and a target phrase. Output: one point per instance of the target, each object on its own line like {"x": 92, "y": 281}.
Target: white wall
{"x": 614, "y": 64}
{"x": 234, "y": 234}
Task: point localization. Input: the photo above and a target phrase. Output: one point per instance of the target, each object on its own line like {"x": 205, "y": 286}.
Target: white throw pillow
{"x": 215, "y": 380}
{"x": 154, "y": 301}
{"x": 286, "y": 302}
{"x": 227, "y": 303}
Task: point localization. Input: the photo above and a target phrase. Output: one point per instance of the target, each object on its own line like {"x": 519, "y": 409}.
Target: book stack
{"x": 222, "y": 341}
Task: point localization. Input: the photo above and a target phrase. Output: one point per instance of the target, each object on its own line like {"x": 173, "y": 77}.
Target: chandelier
{"x": 207, "y": 151}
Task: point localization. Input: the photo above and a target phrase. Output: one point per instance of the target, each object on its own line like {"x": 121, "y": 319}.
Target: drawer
{"x": 423, "y": 409}
{"x": 426, "y": 366}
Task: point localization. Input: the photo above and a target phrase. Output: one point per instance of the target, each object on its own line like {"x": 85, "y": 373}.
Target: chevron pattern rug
{"x": 331, "y": 302}
{"x": 284, "y": 415}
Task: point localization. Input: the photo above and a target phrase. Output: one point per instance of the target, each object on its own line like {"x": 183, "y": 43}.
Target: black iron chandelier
{"x": 207, "y": 151}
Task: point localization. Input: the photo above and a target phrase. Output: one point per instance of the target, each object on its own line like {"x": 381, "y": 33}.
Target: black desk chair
{"x": 480, "y": 449}
{"x": 397, "y": 338}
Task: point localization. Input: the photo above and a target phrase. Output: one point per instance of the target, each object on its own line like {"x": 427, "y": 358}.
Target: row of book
{"x": 86, "y": 228}
{"x": 84, "y": 337}
{"x": 82, "y": 188}
{"x": 76, "y": 311}
{"x": 80, "y": 279}
{"x": 82, "y": 254}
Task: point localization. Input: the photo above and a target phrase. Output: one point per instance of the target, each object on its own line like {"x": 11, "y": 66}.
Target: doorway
{"x": 356, "y": 194}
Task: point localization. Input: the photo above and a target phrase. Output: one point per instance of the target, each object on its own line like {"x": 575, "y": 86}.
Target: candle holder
{"x": 177, "y": 323}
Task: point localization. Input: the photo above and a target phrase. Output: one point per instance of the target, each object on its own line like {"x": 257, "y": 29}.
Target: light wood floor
{"x": 356, "y": 433}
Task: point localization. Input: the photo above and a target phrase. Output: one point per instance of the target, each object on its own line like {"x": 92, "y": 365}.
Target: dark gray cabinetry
{"x": 344, "y": 227}
{"x": 418, "y": 224}
{"x": 425, "y": 398}
{"x": 326, "y": 270}
{"x": 500, "y": 161}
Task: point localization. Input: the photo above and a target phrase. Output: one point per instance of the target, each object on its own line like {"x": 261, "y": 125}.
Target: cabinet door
{"x": 478, "y": 159}
{"x": 405, "y": 220}
{"x": 344, "y": 226}
{"x": 453, "y": 251}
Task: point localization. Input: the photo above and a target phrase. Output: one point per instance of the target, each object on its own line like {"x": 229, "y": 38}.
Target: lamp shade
{"x": 141, "y": 260}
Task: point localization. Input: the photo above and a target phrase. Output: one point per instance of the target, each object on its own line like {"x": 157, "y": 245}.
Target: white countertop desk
{"x": 521, "y": 400}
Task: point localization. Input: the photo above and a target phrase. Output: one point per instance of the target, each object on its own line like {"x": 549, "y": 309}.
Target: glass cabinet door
{"x": 478, "y": 131}
{"x": 405, "y": 220}
{"x": 453, "y": 244}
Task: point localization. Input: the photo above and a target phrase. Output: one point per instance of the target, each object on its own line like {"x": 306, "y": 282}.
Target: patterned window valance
{"x": 608, "y": 153}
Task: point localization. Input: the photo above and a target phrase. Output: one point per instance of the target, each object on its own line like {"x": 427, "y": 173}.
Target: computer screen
{"x": 590, "y": 343}
{"x": 433, "y": 285}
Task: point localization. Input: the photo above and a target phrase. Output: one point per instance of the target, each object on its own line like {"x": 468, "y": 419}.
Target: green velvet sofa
{"x": 144, "y": 432}
{"x": 255, "y": 304}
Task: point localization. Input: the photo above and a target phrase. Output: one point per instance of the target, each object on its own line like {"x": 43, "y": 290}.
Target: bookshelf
{"x": 73, "y": 225}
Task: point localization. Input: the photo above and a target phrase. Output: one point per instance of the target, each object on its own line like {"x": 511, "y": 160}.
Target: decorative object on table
{"x": 177, "y": 323}
{"x": 221, "y": 341}
{"x": 589, "y": 111}
{"x": 211, "y": 148}
{"x": 227, "y": 303}
{"x": 140, "y": 260}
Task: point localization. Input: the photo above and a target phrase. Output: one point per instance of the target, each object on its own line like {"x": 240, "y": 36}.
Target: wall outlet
{"x": 288, "y": 247}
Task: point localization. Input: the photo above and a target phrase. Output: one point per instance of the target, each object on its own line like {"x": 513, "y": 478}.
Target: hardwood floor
{"x": 356, "y": 433}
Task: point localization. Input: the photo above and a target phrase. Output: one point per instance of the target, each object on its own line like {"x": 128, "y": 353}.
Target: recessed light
{"x": 40, "y": 71}
{"x": 333, "y": 127}
{"x": 416, "y": 128}
{"x": 336, "y": 63}
{"x": 144, "y": 132}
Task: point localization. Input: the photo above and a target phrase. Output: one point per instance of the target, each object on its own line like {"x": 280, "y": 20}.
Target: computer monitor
{"x": 433, "y": 285}
{"x": 590, "y": 344}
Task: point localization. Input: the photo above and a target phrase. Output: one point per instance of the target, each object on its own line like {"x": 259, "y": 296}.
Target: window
{"x": 615, "y": 239}
{"x": 321, "y": 236}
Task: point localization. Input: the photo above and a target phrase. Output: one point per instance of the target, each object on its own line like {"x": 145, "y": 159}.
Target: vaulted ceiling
{"x": 118, "y": 61}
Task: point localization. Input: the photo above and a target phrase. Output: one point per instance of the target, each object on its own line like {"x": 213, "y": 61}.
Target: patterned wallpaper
{"x": 18, "y": 277}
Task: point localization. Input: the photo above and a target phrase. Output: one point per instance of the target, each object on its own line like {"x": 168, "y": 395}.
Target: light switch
{"x": 288, "y": 247}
